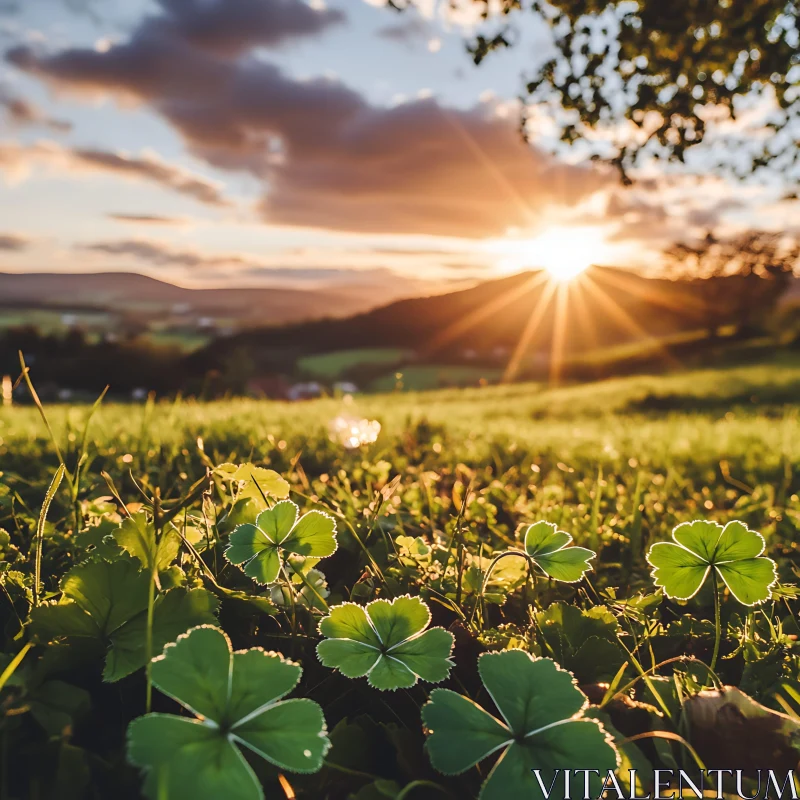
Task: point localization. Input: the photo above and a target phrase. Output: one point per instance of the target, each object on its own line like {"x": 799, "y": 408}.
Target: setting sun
{"x": 563, "y": 252}
{"x": 565, "y": 271}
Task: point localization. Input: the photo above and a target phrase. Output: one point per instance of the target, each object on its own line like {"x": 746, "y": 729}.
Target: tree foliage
{"x": 644, "y": 78}
{"x": 737, "y": 280}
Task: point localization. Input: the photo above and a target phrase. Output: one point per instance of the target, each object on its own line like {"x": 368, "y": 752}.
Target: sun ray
{"x": 648, "y": 294}
{"x": 491, "y": 168}
{"x": 583, "y": 314}
{"x": 559, "y": 332}
{"x": 626, "y": 321}
{"x": 530, "y": 329}
{"x": 483, "y": 312}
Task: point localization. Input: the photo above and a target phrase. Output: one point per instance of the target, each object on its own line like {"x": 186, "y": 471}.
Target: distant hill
{"x": 133, "y": 293}
{"x": 612, "y": 307}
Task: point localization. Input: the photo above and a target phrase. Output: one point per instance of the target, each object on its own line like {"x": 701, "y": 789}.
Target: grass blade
{"x": 48, "y": 499}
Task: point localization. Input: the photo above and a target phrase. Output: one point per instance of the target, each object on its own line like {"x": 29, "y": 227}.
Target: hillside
{"x": 123, "y": 292}
{"x": 613, "y": 307}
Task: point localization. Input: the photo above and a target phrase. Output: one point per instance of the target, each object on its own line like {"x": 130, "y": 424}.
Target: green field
{"x": 616, "y": 464}
{"x": 332, "y": 365}
{"x": 53, "y": 321}
{"x": 424, "y": 377}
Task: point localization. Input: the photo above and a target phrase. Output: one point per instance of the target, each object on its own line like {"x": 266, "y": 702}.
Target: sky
{"x": 308, "y": 144}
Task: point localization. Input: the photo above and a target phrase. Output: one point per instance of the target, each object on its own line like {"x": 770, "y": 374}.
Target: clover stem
{"x": 151, "y": 601}
{"x": 292, "y": 605}
{"x": 148, "y": 647}
{"x": 717, "y": 625}
{"x": 313, "y": 591}
{"x": 355, "y": 535}
{"x": 530, "y": 578}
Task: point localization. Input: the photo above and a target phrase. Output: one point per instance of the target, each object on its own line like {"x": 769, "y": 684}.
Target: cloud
{"x": 87, "y": 8}
{"x": 17, "y": 159}
{"x": 234, "y": 26}
{"x": 155, "y": 170}
{"x": 161, "y": 254}
{"x": 325, "y": 276}
{"x": 420, "y": 168}
{"x": 147, "y": 219}
{"x": 653, "y": 214}
{"x": 630, "y": 206}
{"x": 12, "y": 242}
{"x": 711, "y": 216}
{"x": 326, "y": 156}
{"x": 22, "y": 112}
{"x": 202, "y": 265}
{"x": 411, "y": 32}
{"x": 636, "y": 216}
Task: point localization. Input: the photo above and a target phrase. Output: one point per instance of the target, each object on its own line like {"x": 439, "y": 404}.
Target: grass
{"x": 185, "y": 341}
{"x": 52, "y": 321}
{"x": 707, "y": 409}
{"x": 333, "y": 365}
{"x": 424, "y": 377}
{"x": 616, "y": 463}
{"x": 714, "y": 446}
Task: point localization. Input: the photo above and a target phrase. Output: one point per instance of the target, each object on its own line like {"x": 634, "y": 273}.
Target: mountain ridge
{"x": 132, "y": 291}
{"x": 492, "y": 314}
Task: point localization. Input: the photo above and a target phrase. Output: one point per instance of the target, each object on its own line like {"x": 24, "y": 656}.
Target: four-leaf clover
{"x": 542, "y": 728}
{"x": 733, "y": 552}
{"x": 276, "y": 533}
{"x": 547, "y": 546}
{"x": 387, "y": 642}
{"x": 236, "y": 698}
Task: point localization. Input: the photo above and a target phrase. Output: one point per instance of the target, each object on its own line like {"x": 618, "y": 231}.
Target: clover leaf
{"x": 136, "y": 535}
{"x": 250, "y": 479}
{"x": 387, "y": 641}
{"x": 277, "y": 532}
{"x": 542, "y": 728}
{"x": 733, "y": 553}
{"x": 236, "y": 700}
{"x": 547, "y": 546}
{"x": 104, "y": 606}
{"x": 582, "y": 641}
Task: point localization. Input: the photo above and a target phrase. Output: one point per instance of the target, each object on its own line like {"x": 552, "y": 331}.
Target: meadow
{"x": 451, "y": 533}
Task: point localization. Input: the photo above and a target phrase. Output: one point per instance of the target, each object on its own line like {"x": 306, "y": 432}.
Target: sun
{"x": 566, "y": 271}
{"x": 564, "y": 252}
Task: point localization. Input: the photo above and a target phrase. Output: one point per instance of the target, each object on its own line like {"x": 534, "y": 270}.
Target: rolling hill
{"x": 132, "y": 293}
{"x": 608, "y": 307}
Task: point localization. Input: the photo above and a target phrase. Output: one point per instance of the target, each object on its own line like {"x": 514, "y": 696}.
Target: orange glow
{"x": 563, "y": 252}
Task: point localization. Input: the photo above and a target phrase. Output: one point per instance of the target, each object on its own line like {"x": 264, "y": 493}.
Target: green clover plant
{"x": 261, "y": 549}
{"x": 546, "y": 547}
{"x": 254, "y": 482}
{"x": 249, "y": 488}
{"x": 103, "y": 610}
{"x": 306, "y": 586}
{"x": 236, "y": 700}
{"x": 583, "y": 641}
{"x": 137, "y": 535}
{"x": 387, "y": 642}
{"x": 542, "y": 728}
{"x": 734, "y": 553}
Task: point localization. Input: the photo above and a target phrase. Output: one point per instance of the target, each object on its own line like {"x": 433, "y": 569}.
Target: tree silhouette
{"x": 737, "y": 281}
